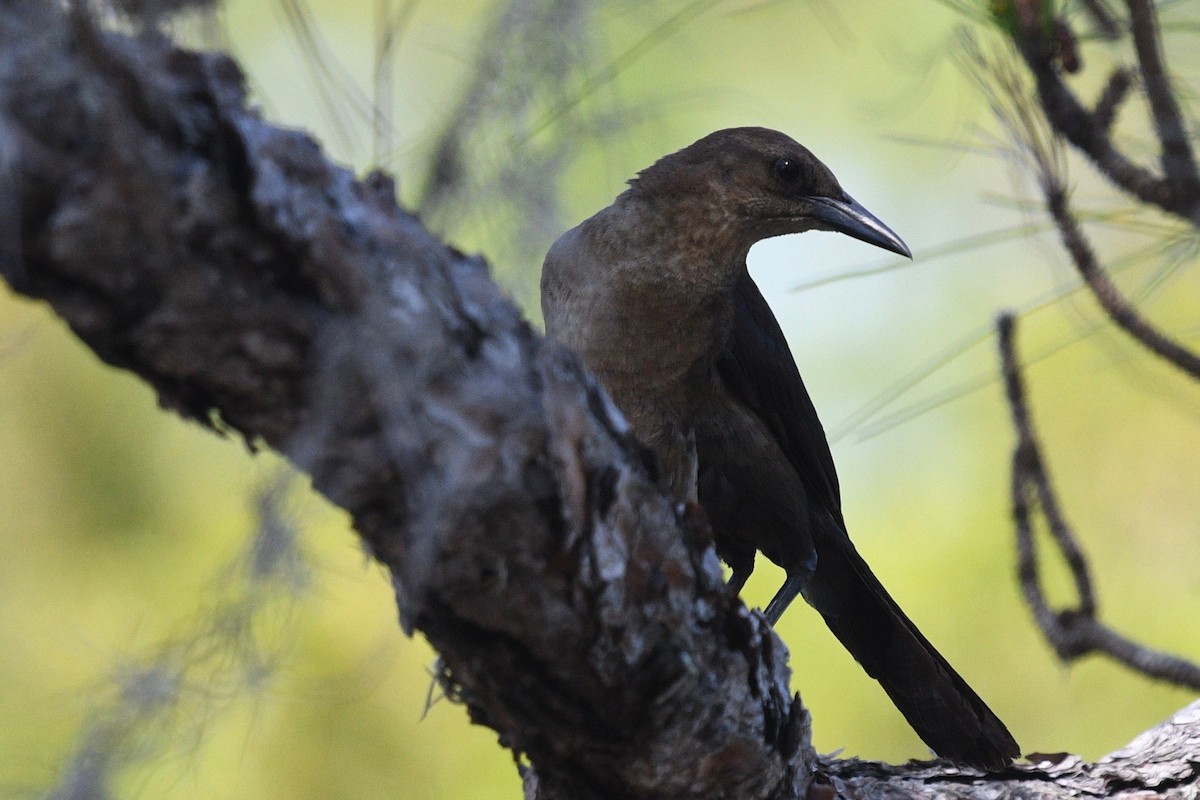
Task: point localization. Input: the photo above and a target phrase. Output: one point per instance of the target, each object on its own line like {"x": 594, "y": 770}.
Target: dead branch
{"x": 1160, "y": 762}
{"x": 1088, "y": 130}
{"x": 1073, "y": 632}
{"x": 1178, "y": 161}
{"x": 1102, "y": 18}
{"x": 1042, "y": 151}
{"x": 1122, "y": 312}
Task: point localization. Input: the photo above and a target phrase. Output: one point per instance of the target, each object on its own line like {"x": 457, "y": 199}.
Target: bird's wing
{"x": 757, "y": 369}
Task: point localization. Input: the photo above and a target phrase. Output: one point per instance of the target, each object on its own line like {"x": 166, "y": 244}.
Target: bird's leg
{"x": 741, "y": 562}
{"x": 737, "y": 580}
{"x": 787, "y": 593}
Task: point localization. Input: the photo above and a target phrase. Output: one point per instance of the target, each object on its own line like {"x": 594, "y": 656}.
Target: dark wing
{"x": 757, "y": 369}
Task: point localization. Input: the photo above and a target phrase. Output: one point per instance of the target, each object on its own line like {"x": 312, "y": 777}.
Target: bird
{"x": 653, "y": 293}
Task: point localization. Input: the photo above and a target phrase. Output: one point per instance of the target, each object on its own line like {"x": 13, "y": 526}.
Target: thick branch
{"x": 1162, "y": 762}
{"x": 232, "y": 267}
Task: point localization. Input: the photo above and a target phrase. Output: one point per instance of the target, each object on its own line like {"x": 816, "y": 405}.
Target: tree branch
{"x": 1102, "y": 18}
{"x": 1162, "y": 762}
{"x": 1073, "y": 632}
{"x": 1178, "y": 161}
{"x": 1122, "y": 312}
{"x": 242, "y": 275}
{"x": 1089, "y": 131}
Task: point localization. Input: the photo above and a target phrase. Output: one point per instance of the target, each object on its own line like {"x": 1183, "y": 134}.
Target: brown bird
{"x": 654, "y": 294}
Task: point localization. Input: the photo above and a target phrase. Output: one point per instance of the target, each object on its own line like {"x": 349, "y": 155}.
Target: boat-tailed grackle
{"x": 654, "y": 294}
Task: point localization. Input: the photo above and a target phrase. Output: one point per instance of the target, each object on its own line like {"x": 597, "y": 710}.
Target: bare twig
{"x": 1114, "y": 94}
{"x": 1089, "y": 131}
{"x": 1102, "y": 17}
{"x": 1178, "y": 161}
{"x": 1073, "y": 632}
{"x": 1116, "y": 305}
{"x": 1081, "y": 128}
{"x": 1043, "y": 154}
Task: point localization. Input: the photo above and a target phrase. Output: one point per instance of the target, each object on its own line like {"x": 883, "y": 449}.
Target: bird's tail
{"x": 943, "y": 710}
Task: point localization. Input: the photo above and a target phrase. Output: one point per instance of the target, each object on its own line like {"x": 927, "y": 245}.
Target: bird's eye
{"x": 786, "y": 170}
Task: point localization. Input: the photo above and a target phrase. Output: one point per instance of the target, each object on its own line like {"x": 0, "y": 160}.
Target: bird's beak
{"x": 849, "y": 217}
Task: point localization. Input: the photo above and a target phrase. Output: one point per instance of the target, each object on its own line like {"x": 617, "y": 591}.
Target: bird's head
{"x": 758, "y": 183}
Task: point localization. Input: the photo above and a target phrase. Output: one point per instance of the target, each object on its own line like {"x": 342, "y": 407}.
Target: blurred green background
{"x": 123, "y": 530}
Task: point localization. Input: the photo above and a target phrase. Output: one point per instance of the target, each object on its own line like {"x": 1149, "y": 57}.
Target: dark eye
{"x": 787, "y": 170}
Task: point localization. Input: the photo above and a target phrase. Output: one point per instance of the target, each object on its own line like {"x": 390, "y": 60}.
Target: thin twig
{"x": 1089, "y": 131}
{"x": 1114, "y": 94}
{"x": 1090, "y": 135}
{"x": 1072, "y": 632}
{"x": 1115, "y": 304}
{"x": 1102, "y": 17}
{"x": 1178, "y": 161}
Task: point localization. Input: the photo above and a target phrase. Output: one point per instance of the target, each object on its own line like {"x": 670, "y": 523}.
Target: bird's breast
{"x": 648, "y": 322}
{"x": 658, "y": 365}
{"x": 642, "y": 339}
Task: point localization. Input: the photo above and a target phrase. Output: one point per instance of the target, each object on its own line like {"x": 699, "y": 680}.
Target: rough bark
{"x": 1162, "y": 762}
{"x": 262, "y": 290}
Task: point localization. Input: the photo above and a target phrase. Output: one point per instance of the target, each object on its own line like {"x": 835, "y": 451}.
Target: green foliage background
{"x": 121, "y": 526}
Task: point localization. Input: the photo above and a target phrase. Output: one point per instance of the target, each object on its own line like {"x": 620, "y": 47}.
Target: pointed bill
{"x": 848, "y": 216}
